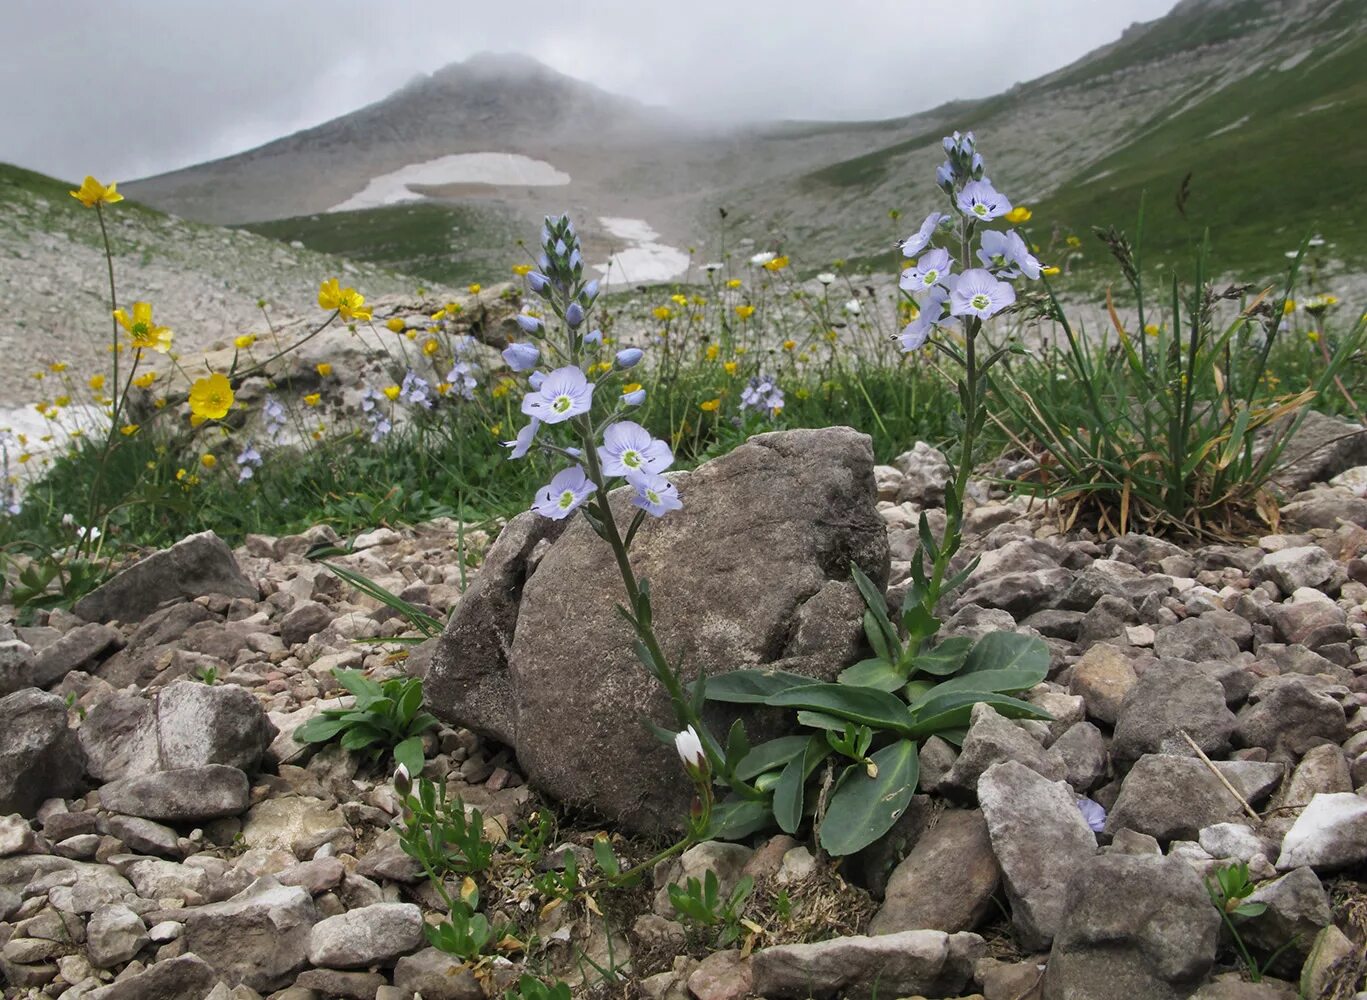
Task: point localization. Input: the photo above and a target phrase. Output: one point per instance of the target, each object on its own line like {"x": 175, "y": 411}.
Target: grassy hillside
{"x": 451, "y": 243}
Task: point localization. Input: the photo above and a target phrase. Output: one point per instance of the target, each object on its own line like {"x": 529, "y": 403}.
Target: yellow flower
{"x": 522, "y": 269}
{"x": 145, "y": 380}
{"x": 438, "y": 316}
{"x": 662, "y": 312}
{"x": 430, "y": 347}
{"x": 733, "y": 283}
{"x": 474, "y": 288}
{"x": 745, "y": 312}
{"x": 128, "y": 430}
{"x": 1313, "y": 336}
{"x": 92, "y": 192}
{"x": 1288, "y": 307}
{"x": 208, "y": 460}
{"x": 62, "y": 401}
{"x": 41, "y": 406}
{"x": 599, "y": 367}
{"x": 142, "y": 331}
{"x": 245, "y": 341}
{"x": 323, "y": 368}
{"x": 832, "y": 335}
{"x": 710, "y": 405}
{"x": 789, "y": 345}
{"x": 712, "y": 351}
{"x": 1050, "y": 271}
{"x": 631, "y": 387}
{"x": 346, "y": 301}
{"x": 58, "y": 367}
{"x": 1152, "y": 329}
{"x": 396, "y": 325}
{"x": 1018, "y": 215}
{"x": 777, "y": 264}
{"x": 312, "y": 399}
{"x": 211, "y": 398}
{"x": 96, "y": 382}
{"x": 730, "y": 367}
{"x": 679, "y": 300}
{"x": 1073, "y": 241}
{"x": 391, "y": 392}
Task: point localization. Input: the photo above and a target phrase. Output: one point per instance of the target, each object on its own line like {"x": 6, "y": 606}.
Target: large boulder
{"x": 753, "y": 572}
{"x": 39, "y": 756}
{"x": 260, "y": 937}
{"x": 1321, "y": 448}
{"x": 196, "y": 565}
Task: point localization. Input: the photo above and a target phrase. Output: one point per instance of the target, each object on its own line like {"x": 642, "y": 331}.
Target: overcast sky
{"x": 132, "y": 87}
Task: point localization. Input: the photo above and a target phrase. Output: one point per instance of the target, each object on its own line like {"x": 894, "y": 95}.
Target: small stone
{"x": 16, "y": 836}
{"x": 1103, "y": 677}
{"x": 371, "y": 935}
{"x": 39, "y": 756}
{"x": 1330, "y": 834}
{"x": 189, "y": 794}
{"x": 1168, "y": 700}
{"x": 931, "y": 963}
{"x": 1293, "y": 568}
{"x": 259, "y": 937}
{"x": 437, "y": 976}
{"x": 946, "y": 882}
{"x": 114, "y": 935}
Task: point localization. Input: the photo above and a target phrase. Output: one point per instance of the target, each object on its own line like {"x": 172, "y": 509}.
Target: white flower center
{"x": 980, "y": 301}
{"x": 562, "y": 403}
{"x": 566, "y": 500}
{"x": 980, "y": 210}
{"x": 931, "y": 276}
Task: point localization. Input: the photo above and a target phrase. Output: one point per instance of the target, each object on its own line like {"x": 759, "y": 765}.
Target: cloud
{"x": 124, "y": 90}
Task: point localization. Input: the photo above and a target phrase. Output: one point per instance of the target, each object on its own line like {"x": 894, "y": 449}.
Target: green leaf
{"x": 877, "y": 605}
{"x": 361, "y": 736}
{"x": 986, "y": 681}
{"x": 788, "y": 793}
{"x": 867, "y": 705}
{"x": 1005, "y": 650}
{"x": 752, "y": 686}
{"x": 410, "y": 700}
{"x": 862, "y": 809}
{"x": 878, "y": 639}
{"x": 319, "y": 730}
{"x": 770, "y": 755}
{"x": 409, "y": 754}
{"x": 955, "y": 708}
{"x": 358, "y": 684}
{"x": 820, "y": 720}
{"x": 878, "y": 674}
{"x": 737, "y": 818}
{"x": 945, "y": 659}
{"x": 607, "y": 861}
{"x": 737, "y": 744}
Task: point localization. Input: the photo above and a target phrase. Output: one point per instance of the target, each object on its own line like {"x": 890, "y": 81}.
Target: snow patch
{"x": 645, "y": 259}
{"x": 1229, "y": 128}
{"x": 509, "y": 169}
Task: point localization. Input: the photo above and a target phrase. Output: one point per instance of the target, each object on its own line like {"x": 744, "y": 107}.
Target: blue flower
{"x": 594, "y": 337}
{"x": 522, "y": 444}
{"x": 562, "y": 496}
{"x": 931, "y": 306}
{"x": 248, "y": 461}
{"x": 529, "y": 324}
{"x": 461, "y": 378}
{"x": 978, "y": 293}
{"x": 930, "y": 270}
{"x": 520, "y": 357}
{"x": 414, "y": 390}
{"x": 590, "y": 292}
{"x": 574, "y": 315}
{"x": 762, "y": 393}
{"x": 563, "y": 394}
{"x": 655, "y": 494}
{"x": 1093, "y": 813}
{"x": 634, "y": 398}
{"x": 1008, "y": 253}
{"x": 981, "y": 200}
{"x": 920, "y": 239}
{"x": 538, "y": 282}
{"x": 628, "y": 356}
{"x": 628, "y": 447}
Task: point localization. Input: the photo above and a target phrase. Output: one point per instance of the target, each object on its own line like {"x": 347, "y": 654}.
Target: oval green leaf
{"x": 862, "y": 809}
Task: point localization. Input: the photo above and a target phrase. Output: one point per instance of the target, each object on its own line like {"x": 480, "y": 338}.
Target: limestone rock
{"x": 946, "y": 882}
{"x": 197, "y": 565}
{"x": 1167, "y": 700}
{"x": 259, "y": 937}
{"x": 931, "y": 963}
{"x": 188, "y": 794}
{"x": 371, "y": 935}
{"x": 437, "y": 976}
{"x": 1331, "y": 833}
{"x": 39, "y": 755}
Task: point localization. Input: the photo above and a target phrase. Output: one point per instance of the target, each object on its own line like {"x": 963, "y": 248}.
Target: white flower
{"x": 761, "y": 259}
{"x": 825, "y": 277}
{"x": 690, "y": 748}
{"x": 712, "y": 267}
{"x": 853, "y": 307}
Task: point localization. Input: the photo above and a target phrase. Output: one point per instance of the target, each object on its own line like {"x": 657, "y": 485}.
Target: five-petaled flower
{"x": 348, "y": 302}
{"x": 562, "y": 394}
{"x": 144, "y": 333}
{"x": 562, "y": 496}
{"x": 655, "y": 494}
{"x": 211, "y": 398}
{"x": 930, "y": 270}
{"x": 920, "y": 239}
{"x": 92, "y": 193}
{"x": 628, "y": 447}
{"x": 982, "y": 201}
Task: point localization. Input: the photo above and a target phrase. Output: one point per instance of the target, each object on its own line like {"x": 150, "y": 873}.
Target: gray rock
{"x": 337, "y": 985}
{"x": 73, "y": 651}
{"x": 991, "y": 739}
{"x": 1232, "y": 986}
{"x": 1233, "y": 841}
{"x": 1083, "y": 751}
{"x": 194, "y": 566}
{"x": 371, "y": 935}
{"x": 437, "y": 976}
{"x": 1297, "y": 909}
{"x": 177, "y": 978}
{"x": 1174, "y": 798}
{"x": 1331, "y": 833}
{"x": 1194, "y": 639}
{"x": 753, "y": 572}
{"x": 1288, "y": 715}
{"x": 1018, "y": 594}
{"x": 931, "y": 963}
{"x": 925, "y": 472}
{"x": 1106, "y": 621}
{"x": 145, "y": 837}
{"x": 259, "y": 937}
{"x": 1325, "y": 509}
{"x": 16, "y": 665}
{"x": 39, "y": 756}
{"x": 1321, "y": 448}
{"x": 1040, "y": 839}
{"x": 1295, "y": 567}
{"x": 946, "y": 882}
{"x": 1110, "y": 578}
{"x": 303, "y": 622}
{"x": 1169, "y": 699}
{"x": 1154, "y": 939}
{"x": 188, "y": 794}
{"x": 158, "y": 879}
{"x": 1103, "y": 677}
{"x": 113, "y": 936}
{"x": 726, "y": 861}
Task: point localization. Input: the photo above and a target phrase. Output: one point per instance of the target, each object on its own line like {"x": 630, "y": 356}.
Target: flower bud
{"x": 628, "y": 357}
{"x": 690, "y": 749}
{"x": 594, "y": 337}
{"x": 403, "y": 781}
{"x": 537, "y": 281}
{"x": 529, "y": 324}
{"x": 590, "y": 292}
{"x": 520, "y": 357}
{"x": 634, "y": 398}
{"x": 574, "y": 315}
{"x": 535, "y": 379}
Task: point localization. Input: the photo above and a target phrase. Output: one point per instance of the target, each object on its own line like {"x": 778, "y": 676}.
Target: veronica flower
{"x": 1093, "y": 812}
{"x": 379, "y": 429}
{"x": 590, "y": 291}
{"x": 628, "y": 356}
{"x": 520, "y": 357}
{"x": 274, "y": 413}
{"x": 248, "y": 461}
{"x": 628, "y": 447}
{"x": 930, "y": 314}
{"x": 944, "y": 176}
{"x": 563, "y": 394}
{"x": 982, "y": 201}
{"x": 461, "y": 377}
{"x": 529, "y": 324}
{"x": 930, "y": 270}
{"x": 634, "y": 398}
{"x": 655, "y": 494}
{"x": 920, "y": 239}
{"x": 762, "y": 392}
{"x": 522, "y": 444}
{"x": 563, "y": 495}
{"x": 414, "y": 390}
{"x": 537, "y": 281}
{"x": 574, "y": 315}
{"x": 535, "y": 379}
{"x": 1008, "y": 253}
{"x": 594, "y": 337}
{"x": 978, "y": 293}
